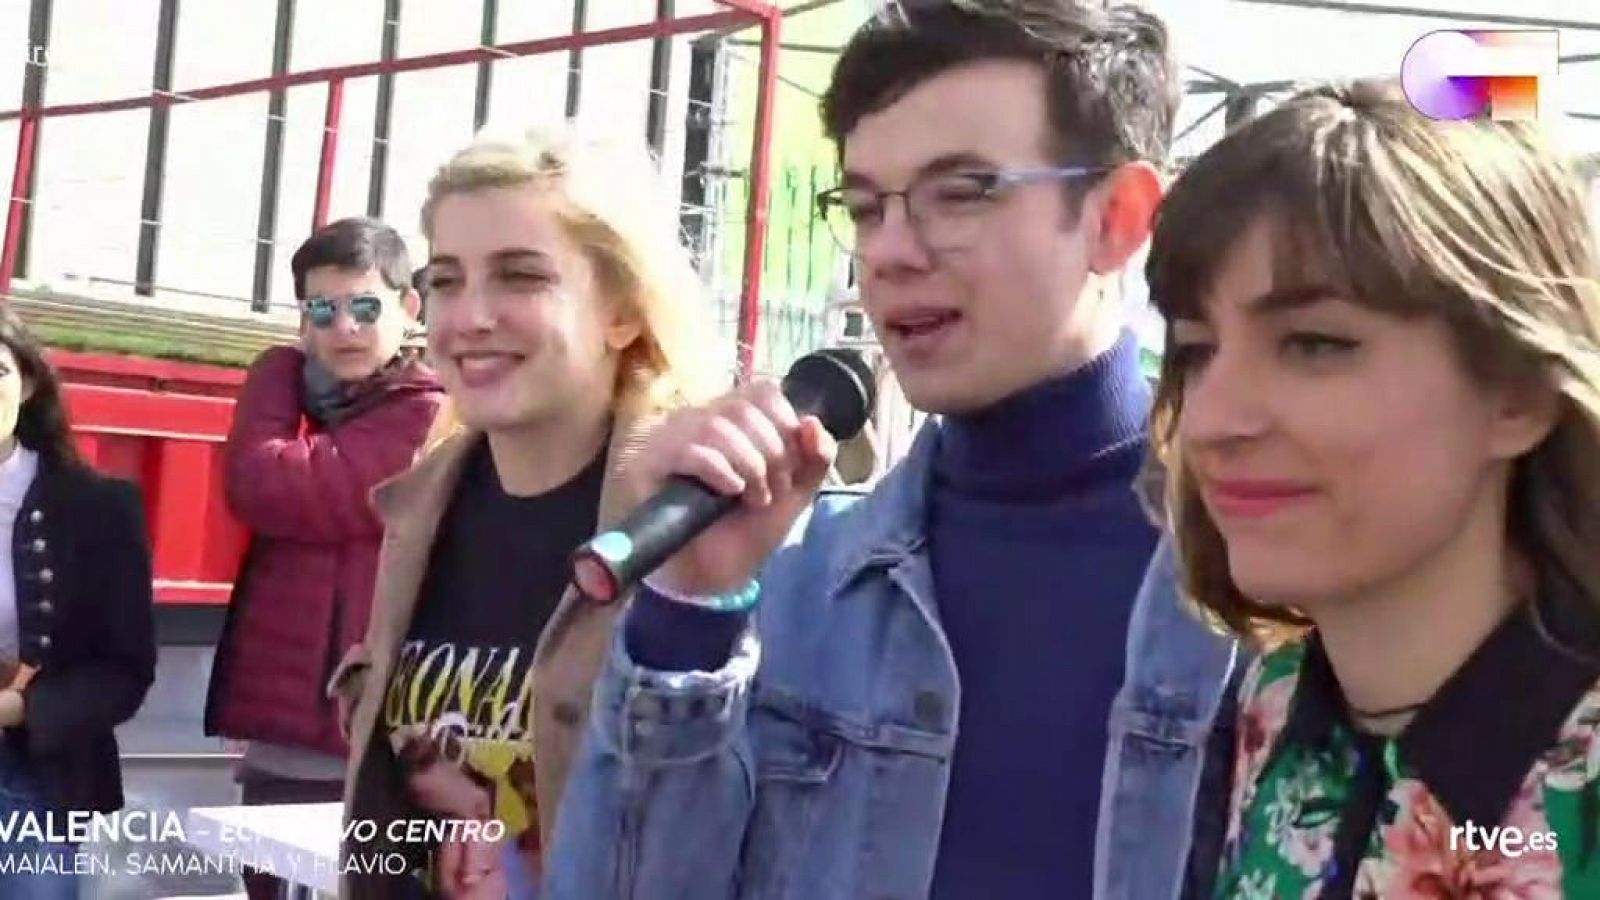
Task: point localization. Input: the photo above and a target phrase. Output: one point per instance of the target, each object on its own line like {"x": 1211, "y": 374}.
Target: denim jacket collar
{"x": 891, "y": 522}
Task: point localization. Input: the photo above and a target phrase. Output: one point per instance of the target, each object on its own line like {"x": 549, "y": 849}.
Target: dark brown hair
{"x": 355, "y": 244}
{"x": 42, "y": 424}
{"x": 1479, "y": 224}
{"x": 1112, "y": 85}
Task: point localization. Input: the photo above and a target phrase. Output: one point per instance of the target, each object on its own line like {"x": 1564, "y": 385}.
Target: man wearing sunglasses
{"x": 316, "y": 428}
{"x": 915, "y": 695}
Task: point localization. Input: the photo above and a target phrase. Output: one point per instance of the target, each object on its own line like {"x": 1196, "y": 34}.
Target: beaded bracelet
{"x": 742, "y": 600}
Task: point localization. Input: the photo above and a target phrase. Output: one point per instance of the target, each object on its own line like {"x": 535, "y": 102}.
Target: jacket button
{"x": 46, "y": 607}
{"x": 44, "y": 642}
{"x": 39, "y": 545}
{"x": 929, "y": 709}
{"x": 566, "y": 713}
{"x": 46, "y": 576}
{"x": 36, "y": 517}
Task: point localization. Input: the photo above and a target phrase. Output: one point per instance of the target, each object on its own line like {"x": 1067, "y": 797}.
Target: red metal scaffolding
{"x": 739, "y": 13}
{"x": 163, "y": 424}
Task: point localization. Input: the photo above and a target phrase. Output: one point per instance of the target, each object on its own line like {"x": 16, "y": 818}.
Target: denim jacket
{"x": 814, "y": 765}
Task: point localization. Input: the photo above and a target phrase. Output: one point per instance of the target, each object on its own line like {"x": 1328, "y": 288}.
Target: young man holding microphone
{"x": 908, "y": 695}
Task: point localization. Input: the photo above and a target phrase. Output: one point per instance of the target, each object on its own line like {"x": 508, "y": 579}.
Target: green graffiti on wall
{"x": 801, "y": 257}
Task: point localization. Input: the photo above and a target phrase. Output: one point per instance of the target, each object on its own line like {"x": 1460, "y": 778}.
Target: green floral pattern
{"x": 1286, "y": 807}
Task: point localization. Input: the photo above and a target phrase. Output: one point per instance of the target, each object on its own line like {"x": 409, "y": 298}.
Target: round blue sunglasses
{"x": 364, "y": 309}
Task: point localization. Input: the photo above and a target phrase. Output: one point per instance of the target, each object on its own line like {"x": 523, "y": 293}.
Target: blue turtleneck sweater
{"x": 1038, "y": 545}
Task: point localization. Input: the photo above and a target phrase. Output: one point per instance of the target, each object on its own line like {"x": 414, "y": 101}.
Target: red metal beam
{"x": 665, "y": 27}
{"x": 109, "y": 410}
{"x": 111, "y": 370}
{"x": 758, "y": 8}
{"x": 330, "y": 152}
{"x": 171, "y": 445}
{"x": 27, "y": 145}
{"x": 760, "y": 195}
{"x": 88, "y": 447}
{"x": 181, "y": 490}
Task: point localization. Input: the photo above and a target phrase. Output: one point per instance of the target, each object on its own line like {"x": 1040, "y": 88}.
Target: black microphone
{"x": 835, "y": 385}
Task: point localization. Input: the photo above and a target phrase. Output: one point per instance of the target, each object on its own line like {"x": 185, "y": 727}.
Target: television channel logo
{"x": 1461, "y": 74}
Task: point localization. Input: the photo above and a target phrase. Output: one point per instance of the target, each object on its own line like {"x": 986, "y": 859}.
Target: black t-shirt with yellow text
{"x": 461, "y": 688}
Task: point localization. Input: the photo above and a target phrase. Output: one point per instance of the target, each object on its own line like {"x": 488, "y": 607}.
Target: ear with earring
{"x": 1102, "y": 287}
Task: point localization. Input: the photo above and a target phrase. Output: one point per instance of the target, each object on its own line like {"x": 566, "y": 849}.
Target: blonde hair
{"x": 616, "y": 206}
{"x": 1477, "y": 223}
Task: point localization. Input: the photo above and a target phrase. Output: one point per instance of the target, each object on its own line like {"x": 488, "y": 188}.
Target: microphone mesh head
{"x": 836, "y": 386}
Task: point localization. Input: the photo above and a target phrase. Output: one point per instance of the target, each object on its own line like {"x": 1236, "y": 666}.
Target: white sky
{"x": 1247, "y": 41}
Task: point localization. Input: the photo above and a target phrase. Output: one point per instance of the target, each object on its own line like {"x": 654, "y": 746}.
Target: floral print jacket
{"x": 1492, "y": 790}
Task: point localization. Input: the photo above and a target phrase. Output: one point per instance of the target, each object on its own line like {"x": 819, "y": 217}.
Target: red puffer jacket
{"x": 304, "y": 592}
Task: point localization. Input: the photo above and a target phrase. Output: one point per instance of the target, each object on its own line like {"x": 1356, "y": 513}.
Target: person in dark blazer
{"x": 77, "y": 642}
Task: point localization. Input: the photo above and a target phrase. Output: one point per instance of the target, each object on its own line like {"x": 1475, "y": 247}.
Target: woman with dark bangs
{"x": 1380, "y": 416}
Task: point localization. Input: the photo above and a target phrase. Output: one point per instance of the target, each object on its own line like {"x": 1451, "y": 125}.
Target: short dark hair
{"x": 1113, "y": 88}
{"x": 358, "y": 243}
